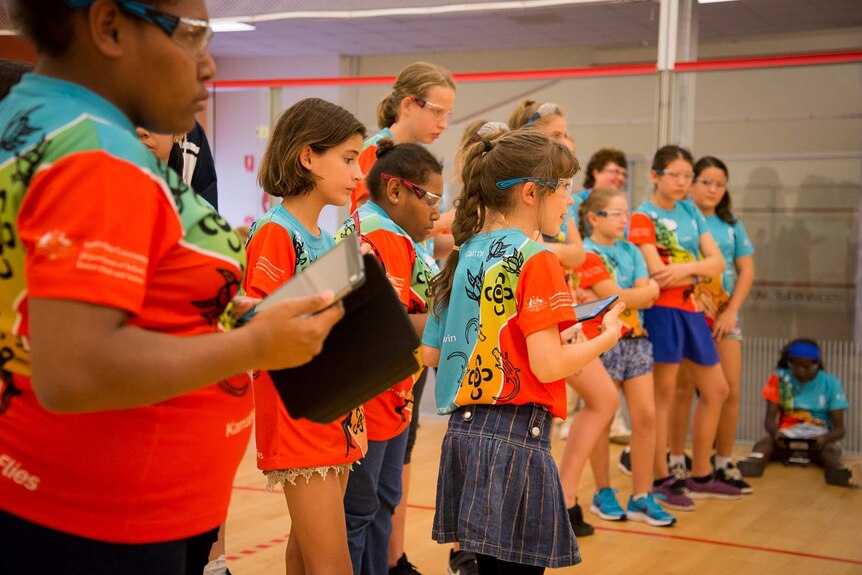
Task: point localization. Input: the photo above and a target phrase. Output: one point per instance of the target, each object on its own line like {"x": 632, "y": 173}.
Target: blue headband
{"x": 804, "y": 350}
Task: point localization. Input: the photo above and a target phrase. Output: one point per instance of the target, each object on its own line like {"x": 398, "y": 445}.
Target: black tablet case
{"x": 367, "y": 352}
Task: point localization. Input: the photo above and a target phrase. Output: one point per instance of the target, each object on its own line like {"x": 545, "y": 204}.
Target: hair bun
{"x": 383, "y": 146}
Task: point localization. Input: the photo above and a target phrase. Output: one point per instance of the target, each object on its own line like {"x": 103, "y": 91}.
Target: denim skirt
{"x": 498, "y": 489}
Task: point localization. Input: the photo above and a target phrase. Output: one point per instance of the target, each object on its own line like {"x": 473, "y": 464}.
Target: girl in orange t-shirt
{"x": 311, "y": 161}
{"x": 406, "y": 184}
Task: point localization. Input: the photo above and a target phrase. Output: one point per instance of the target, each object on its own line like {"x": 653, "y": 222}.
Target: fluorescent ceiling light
{"x": 230, "y": 26}
{"x": 443, "y": 8}
{"x": 713, "y": 1}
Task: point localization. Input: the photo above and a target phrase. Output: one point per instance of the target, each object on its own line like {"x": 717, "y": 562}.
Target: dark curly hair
{"x": 412, "y": 162}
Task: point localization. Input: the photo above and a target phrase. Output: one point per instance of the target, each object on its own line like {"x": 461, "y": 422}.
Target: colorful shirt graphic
{"x": 389, "y": 413}
{"x": 809, "y": 402}
{"x": 367, "y": 157}
{"x": 279, "y": 247}
{"x": 506, "y": 287}
{"x": 622, "y": 262}
{"x": 676, "y": 234}
{"x": 88, "y": 214}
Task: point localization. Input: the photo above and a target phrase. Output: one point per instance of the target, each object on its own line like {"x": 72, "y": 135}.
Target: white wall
{"x": 792, "y": 138}
{"x": 237, "y": 115}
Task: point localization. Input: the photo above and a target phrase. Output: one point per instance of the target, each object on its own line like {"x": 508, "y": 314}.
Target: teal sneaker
{"x": 606, "y": 506}
{"x": 647, "y": 510}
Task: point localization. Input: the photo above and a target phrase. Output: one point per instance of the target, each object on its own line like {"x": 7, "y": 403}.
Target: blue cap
{"x": 804, "y": 350}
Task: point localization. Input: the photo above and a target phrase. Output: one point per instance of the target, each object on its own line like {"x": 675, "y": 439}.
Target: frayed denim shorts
{"x": 498, "y": 489}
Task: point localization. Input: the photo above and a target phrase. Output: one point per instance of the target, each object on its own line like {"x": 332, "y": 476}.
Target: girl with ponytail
{"x": 498, "y": 332}
{"x": 416, "y": 111}
{"x": 406, "y": 184}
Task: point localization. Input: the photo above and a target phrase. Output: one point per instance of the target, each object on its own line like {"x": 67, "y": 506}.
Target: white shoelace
{"x": 733, "y": 473}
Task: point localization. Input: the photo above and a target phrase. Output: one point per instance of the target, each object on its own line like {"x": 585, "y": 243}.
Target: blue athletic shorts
{"x": 678, "y": 334}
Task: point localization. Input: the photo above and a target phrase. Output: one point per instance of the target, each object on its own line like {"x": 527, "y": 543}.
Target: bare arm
{"x": 418, "y": 320}
{"x": 680, "y": 274}
{"x": 641, "y": 296}
{"x": 444, "y": 223}
{"x": 771, "y": 420}
{"x": 571, "y": 254}
{"x": 837, "y": 432}
{"x": 551, "y": 360}
{"x": 95, "y": 361}
{"x": 443, "y": 244}
{"x": 744, "y": 281}
{"x": 430, "y": 355}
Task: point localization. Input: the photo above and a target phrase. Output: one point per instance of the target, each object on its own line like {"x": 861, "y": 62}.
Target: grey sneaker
{"x": 462, "y": 563}
{"x": 753, "y": 465}
{"x": 840, "y": 477}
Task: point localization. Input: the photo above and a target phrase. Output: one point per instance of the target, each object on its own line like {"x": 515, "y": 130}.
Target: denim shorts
{"x": 498, "y": 489}
{"x": 629, "y": 358}
{"x": 677, "y": 334}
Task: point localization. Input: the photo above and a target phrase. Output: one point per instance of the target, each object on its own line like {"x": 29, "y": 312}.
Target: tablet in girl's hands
{"x": 340, "y": 270}
{"x": 593, "y": 309}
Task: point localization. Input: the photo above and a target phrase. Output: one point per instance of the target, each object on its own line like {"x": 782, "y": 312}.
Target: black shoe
{"x": 580, "y": 527}
{"x": 404, "y": 567}
{"x": 731, "y": 476}
{"x": 625, "y": 464}
{"x": 751, "y": 466}
{"x": 839, "y": 477}
{"x": 462, "y": 563}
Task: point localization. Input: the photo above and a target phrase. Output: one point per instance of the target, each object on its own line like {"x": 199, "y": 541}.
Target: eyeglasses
{"x": 807, "y": 366}
{"x": 191, "y": 34}
{"x": 679, "y": 176}
{"x": 565, "y": 183}
{"x": 439, "y": 112}
{"x": 712, "y": 184}
{"x": 616, "y": 172}
{"x": 430, "y": 199}
{"x": 546, "y": 109}
{"x": 613, "y": 214}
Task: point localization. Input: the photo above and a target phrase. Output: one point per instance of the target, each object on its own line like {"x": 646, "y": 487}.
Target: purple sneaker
{"x": 712, "y": 489}
{"x": 671, "y": 493}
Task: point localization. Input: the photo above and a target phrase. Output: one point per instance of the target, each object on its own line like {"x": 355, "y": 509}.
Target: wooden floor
{"x": 793, "y": 523}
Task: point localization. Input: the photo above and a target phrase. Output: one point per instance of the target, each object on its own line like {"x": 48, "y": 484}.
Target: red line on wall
{"x": 815, "y": 59}
{"x": 733, "y": 545}
{"x": 469, "y": 77}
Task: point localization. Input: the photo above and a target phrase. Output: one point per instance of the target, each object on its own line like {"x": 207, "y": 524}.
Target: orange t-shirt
{"x": 388, "y": 414}
{"x": 97, "y": 220}
{"x": 591, "y": 272}
{"x": 279, "y": 247}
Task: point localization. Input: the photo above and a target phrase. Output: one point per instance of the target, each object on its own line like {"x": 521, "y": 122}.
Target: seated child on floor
{"x": 805, "y": 404}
